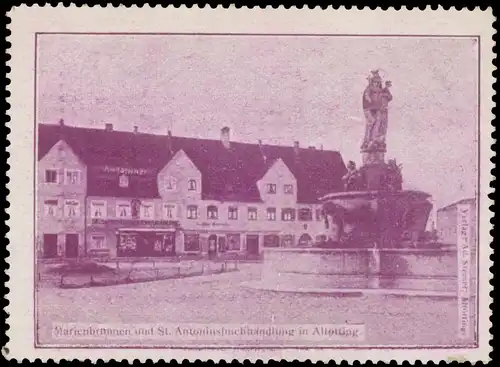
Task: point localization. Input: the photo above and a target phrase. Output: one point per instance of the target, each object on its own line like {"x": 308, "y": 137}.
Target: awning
{"x": 146, "y": 230}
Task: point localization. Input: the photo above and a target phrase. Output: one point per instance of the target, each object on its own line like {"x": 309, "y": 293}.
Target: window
{"x": 123, "y": 181}
{"x": 271, "y": 188}
{"x": 319, "y": 215}
{"x": 271, "y": 240}
{"x": 50, "y": 176}
{"x": 50, "y": 208}
{"x": 234, "y": 242}
{"x": 72, "y": 208}
{"x": 169, "y": 211}
{"x": 98, "y": 209}
{"x": 271, "y": 213}
{"x": 288, "y": 189}
{"x": 252, "y": 213}
{"x": 232, "y": 213}
{"x": 170, "y": 183}
{"x": 147, "y": 211}
{"x": 192, "y": 212}
{"x": 192, "y": 185}
{"x": 72, "y": 176}
{"x": 124, "y": 210}
{"x": 288, "y": 214}
{"x": 305, "y": 214}
{"x": 192, "y": 242}
{"x": 212, "y": 212}
{"x": 97, "y": 242}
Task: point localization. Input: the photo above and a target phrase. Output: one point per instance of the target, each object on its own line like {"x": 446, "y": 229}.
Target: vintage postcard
{"x": 250, "y": 184}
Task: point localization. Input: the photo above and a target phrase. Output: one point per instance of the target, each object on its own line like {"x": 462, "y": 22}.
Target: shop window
{"x": 233, "y": 242}
{"x": 192, "y": 242}
{"x": 147, "y": 211}
{"x": 192, "y": 185}
{"x": 252, "y": 213}
{"x": 71, "y": 208}
{"x": 305, "y": 214}
{"x": 169, "y": 211}
{"x": 51, "y": 176}
{"x": 98, "y": 209}
{"x": 287, "y": 240}
{"x": 124, "y": 210}
{"x": 212, "y": 212}
{"x": 271, "y": 188}
{"x": 288, "y": 214}
{"x": 271, "y": 213}
{"x": 232, "y": 213}
{"x": 192, "y": 212}
{"x": 288, "y": 189}
{"x": 127, "y": 245}
{"x": 97, "y": 242}
{"x": 271, "y": 240}
{"x": 72, "y": 176}
{"x": 50, "y": 208}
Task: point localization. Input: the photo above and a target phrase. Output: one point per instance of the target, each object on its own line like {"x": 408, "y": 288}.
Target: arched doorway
{"x": 305, "y": 240}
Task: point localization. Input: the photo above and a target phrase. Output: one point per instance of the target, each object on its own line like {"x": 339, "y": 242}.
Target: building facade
{"x": 447, "y": 221}
{"x": 124, "y": 194}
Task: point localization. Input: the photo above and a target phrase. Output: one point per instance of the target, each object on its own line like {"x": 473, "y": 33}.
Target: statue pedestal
{"x": 373, "y": 157}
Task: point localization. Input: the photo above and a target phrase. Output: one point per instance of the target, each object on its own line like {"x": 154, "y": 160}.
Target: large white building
{"x": 118, "y": 193}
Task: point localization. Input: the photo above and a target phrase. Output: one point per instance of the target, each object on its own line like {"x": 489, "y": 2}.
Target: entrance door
{"x": 222, "y": 243}
{"x": 71, "y": 248}
{"x": 212, "y": 246}
{"x": 50, "y": 246}
{"x": 253, "y": 244}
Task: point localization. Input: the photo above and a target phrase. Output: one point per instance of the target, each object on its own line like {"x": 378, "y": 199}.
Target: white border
{"x": 28, "y": 20}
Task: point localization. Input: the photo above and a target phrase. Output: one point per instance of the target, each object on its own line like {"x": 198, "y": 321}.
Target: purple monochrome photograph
{"x": 256, "y": 191}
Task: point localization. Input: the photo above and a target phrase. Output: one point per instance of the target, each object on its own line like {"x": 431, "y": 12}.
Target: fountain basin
{"x": 418, "y": 272}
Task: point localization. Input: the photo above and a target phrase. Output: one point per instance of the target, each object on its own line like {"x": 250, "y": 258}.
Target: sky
{"x": 279, "y": 89}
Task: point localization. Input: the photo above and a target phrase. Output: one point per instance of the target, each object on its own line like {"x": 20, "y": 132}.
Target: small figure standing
{"x": 351, "y": 178}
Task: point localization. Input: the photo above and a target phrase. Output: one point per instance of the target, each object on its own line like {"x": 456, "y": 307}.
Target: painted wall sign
{"x": 136, "y": 222}
{"x": 212, "y": 224}
{"x": 127, "y": 171}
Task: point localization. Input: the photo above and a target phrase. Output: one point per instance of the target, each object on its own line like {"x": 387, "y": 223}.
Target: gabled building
{"x": 448, "y": 218}
{"x": 134, "y": 194}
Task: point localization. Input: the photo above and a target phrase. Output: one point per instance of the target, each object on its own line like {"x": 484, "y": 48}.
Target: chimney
{"x": 225, "y": 137}
{"x": 108, "y": 127}
{"x": 321, "y": 147}
{"x": 169, "y": 141}
{"x": 61, "y": 122}
{"x": 312, "y": 147}
{"x": 262, "y": 151}
{"x": 136, "y": 129}
{"x": 296, "y": 147}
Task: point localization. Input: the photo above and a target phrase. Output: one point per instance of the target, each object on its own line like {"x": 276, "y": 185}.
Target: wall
{"x": 59, "y": 158}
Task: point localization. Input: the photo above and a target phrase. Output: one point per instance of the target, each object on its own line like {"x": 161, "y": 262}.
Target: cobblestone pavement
{"x": 220, "y": 299}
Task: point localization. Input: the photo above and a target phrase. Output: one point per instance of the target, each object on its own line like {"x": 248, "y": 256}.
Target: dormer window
{"x": 271, "y": 188}
{"x": 192, "y": 185}
{"x": 288, "y": 189}
{"x": 123, "y": 181}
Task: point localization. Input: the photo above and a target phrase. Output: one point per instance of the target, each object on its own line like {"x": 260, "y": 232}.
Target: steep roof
{"x": 228, "y": 174}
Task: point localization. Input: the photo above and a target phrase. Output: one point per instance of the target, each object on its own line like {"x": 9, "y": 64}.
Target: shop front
{"x": 134, "y": 238}
{"x": 145, "y": 242}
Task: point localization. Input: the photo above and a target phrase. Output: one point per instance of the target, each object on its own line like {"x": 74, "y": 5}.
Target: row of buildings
{"x": 117, "y": 193}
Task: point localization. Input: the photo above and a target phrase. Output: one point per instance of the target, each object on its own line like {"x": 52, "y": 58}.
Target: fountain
{"x": 373, "y": 227}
